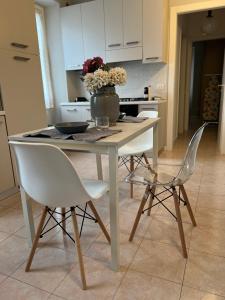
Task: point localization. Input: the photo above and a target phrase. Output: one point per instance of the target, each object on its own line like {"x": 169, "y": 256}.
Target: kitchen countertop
{"x": 2, "y": 113}
{"x": 121, "y": 103}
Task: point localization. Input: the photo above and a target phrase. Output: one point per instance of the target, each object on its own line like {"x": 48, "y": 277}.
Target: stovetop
{"x": 132, "y": 99}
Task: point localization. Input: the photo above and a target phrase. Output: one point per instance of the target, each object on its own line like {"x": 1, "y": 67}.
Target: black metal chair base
{"x": 161, "y": 201}
{"x": 125, "y": 161}
{"x": 84, "y": 215}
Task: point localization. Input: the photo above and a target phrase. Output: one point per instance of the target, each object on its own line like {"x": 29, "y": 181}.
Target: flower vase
{"x": 105, "y": 102}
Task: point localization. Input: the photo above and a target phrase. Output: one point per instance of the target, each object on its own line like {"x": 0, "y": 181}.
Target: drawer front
{"x": 75, "y": 113}
{"x": 148, "y": 107}
{"x": 86, "y": 113}
{"x": 70, "y": 114}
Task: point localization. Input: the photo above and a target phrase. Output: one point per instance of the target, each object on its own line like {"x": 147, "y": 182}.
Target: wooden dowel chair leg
{"x": 154, "y": 187}
{"x": 140, "y": 210}
{"x": 131, "y": 170}
{"x": 179, "y": 222}
{"x": 36, "y": 239}
{"x": 183, "y": 191}
{"x": 100, "y": 223}
{"x": 63, "y": 211}
{"x": 151, "y": 200}
{"x": 78, "y": 246}
{"x": 145, "y": 158}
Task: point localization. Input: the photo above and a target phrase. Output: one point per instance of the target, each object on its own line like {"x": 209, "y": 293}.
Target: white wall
{"x": 182, "y": 2}
{"x": 52, "y": 14}
{"x": 139, "y": 76}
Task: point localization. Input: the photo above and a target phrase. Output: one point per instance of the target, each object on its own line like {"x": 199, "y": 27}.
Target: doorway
{"x": 201, "y": 72}
{"x": 205, "y": 82}
{"x": 175, "y": 33}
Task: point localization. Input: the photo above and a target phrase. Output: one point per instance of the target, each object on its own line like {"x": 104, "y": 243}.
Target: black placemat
{"x": 90, "y": 135}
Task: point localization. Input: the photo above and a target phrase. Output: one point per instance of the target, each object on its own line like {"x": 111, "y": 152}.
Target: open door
{"x": 221, "y": 135}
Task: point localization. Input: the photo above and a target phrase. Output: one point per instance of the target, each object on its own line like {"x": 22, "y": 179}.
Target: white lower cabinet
{"x": 75, "y": 113}
{"x": 6, "y": 172}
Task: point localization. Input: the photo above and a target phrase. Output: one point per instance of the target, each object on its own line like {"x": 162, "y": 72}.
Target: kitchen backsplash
{"x": 139, "y": 76}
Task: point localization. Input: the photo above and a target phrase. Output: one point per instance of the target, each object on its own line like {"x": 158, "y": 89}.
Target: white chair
{"x": 137, "y": 149}
{"x": 48, "y": 176}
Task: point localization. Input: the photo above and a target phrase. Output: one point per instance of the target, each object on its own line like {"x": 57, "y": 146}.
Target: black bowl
{"x": 72, "y": 127}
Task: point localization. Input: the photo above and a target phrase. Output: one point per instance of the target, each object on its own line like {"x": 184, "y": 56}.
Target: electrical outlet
{"x": 160, "y": 86}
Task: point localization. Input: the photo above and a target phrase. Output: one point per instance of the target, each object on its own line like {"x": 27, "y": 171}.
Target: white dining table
{"x": 109, "y": 146}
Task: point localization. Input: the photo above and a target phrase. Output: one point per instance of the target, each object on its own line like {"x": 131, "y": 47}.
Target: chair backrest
{"x": 190, "y": 157}
{"x": 48, "y": 176}
{"x": 146, "y": 137}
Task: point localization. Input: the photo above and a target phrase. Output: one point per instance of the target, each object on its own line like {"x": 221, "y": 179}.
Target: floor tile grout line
{"x": 127, "y": 269}
{"x": 188, "y": 250}
{"x": 129, "y": 265}
{"x": 204, "y": 291}
{"x": 75, "y": 261}
{"x": 26, "y": 283}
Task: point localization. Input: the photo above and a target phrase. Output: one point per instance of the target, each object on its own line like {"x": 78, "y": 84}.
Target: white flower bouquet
{"x": 96, "y": 75}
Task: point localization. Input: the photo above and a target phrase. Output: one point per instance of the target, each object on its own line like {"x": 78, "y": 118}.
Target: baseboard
{"x": 9, "y": 193}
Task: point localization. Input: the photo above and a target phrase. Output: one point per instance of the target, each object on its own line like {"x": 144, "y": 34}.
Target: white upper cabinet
{"x": 116, "y": 30}
{"x": 72, "y": 37}
{"x": 93, "y": 29}
{"x": 113, "y": 24}
{"x": 17, "y": 26}
{"x": 132, "y": 20}
{"x": 123, "y": 29}
{"x": 155, "y": 18}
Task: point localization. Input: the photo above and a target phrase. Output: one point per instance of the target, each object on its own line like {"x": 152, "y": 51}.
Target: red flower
{"x": 91, "y": 65}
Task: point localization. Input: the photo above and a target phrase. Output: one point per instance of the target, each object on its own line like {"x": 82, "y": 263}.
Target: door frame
{"x": 221, "y": 132}
{"x": 175, "y": 34}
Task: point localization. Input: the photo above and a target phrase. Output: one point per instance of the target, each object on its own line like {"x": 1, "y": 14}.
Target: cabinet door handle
{"x": 114, "y": 45}
{"x": 18, "y": 45}
{"x": 21, "y": 58}
{"x": 71, "y": 109}
{"x": 152, "y": 58}
{"x": 88, "y": 109}
{"x": 132, "y": 43}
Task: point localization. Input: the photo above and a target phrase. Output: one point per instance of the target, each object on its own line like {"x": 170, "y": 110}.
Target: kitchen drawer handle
{"x": 72, "y": 109}
{"x": 152, "y": 58}
{"x": 133, "y": 43}
{"x": 88, "y": 109}
{"x": 114, "y": 45}
{"x": 18, "y": 45}
{"x": 21, "y": 58}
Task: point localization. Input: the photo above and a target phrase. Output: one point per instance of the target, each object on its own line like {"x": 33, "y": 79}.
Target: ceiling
{"x": 46, "y": 2}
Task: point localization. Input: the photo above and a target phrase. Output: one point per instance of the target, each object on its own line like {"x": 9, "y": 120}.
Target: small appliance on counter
{"x": 80, "y": 99}
{"x": 156, "y": 98}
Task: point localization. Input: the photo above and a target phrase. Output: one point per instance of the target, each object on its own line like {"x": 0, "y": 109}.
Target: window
{"x": 44, "y": 58}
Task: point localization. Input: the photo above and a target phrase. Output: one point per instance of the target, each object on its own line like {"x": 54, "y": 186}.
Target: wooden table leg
{"x": 114, "y": 207}
{"x": 155, "y": 146}
{"x": 99, "y": 166}
{"x": 28, "y": 216}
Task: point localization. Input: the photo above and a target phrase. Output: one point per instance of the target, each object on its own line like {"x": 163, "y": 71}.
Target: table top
{"x": 129, "y": 132}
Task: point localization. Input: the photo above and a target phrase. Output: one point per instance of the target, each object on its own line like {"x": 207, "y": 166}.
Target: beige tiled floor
{"x": 152, "y": 266}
